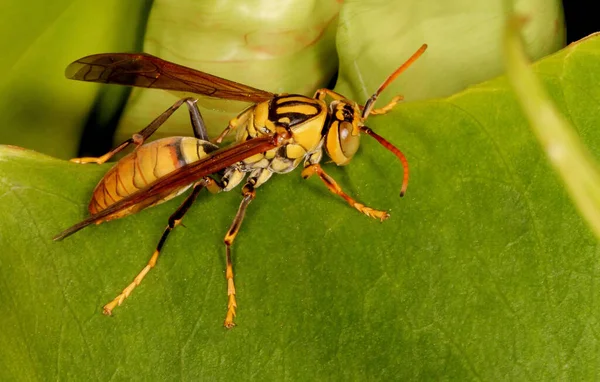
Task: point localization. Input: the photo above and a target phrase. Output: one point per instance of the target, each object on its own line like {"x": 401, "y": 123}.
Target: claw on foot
{"x": 231, "y": 305}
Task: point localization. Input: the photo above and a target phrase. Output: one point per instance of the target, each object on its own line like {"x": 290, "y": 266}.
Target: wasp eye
{"x": 348, "y": 142}
{"x": 340, "y": 144}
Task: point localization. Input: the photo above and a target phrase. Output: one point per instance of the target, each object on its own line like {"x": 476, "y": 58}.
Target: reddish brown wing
{"x": 147, "y": 71}
{"x": 185, "y": 175}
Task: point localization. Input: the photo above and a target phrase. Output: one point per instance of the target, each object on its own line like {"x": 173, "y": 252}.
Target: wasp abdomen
{"x": 143, "y": 166}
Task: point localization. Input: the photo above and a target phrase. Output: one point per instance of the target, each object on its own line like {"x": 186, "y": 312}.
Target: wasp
{"x": 273, "y": 135}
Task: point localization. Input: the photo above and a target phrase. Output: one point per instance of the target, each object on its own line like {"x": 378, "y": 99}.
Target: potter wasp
{"x": 273, "y": 135}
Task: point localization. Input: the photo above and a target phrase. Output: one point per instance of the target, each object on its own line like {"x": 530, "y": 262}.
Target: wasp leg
{"x": 388, "y": 107}
{"x": 322, "y": 93}
{"x": 249, "y": 195}
{"x": 313, "y": 169}
{"x": 256, "y": 178}
{"x": 140, "y": 137}
{"x": 234, "y": 123}
{"x": 174, "y": 220}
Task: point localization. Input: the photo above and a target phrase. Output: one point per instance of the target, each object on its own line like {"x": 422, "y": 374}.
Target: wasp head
{"x": 343, "y": 137}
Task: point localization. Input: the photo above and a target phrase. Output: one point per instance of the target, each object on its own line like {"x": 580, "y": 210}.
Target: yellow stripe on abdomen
{"x": 137, "y": 170}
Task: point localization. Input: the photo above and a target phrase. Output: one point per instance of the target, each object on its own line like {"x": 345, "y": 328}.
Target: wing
{"x": 183, "y": 176}
{"x": 147, "y": 71}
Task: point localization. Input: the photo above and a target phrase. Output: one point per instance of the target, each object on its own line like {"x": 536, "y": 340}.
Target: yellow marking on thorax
{"x": 293, "y": 98}
{"x": 294, "y": 151}
{"x": 304, "y": 108}
{"x": 261, "y": 114}
{"x": 270, "y": 125}
{"x": 271, "y": 153}
{"x": 308, "y": 134}
{"x": 254, "y": 158}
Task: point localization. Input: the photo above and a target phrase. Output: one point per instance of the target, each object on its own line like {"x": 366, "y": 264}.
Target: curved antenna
{"x": 371, "y": 101}
{"x": 369, "y": 107}
{"x": 395, "y": 151}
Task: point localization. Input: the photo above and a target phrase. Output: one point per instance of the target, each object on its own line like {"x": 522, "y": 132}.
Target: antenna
{"x": 369, "y": 107}
{"x": 371, "y": 101}
{"x": 395, "y": 151}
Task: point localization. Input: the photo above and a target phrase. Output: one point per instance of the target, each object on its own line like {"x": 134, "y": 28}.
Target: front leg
{"x": 386, "y": 108}
{"x": 240, "y": 119}
{"x": 322, "y": 93}
{"x": 312, "y": 169}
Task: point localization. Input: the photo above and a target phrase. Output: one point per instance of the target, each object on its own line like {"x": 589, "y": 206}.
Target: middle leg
{"x": 256, "y": 178}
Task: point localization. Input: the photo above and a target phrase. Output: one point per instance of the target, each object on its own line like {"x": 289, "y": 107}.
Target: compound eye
{"x": 348, "y": 142}
{"x": 340, "y": 144}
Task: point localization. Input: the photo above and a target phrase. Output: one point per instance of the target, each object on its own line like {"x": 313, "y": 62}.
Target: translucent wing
{"x": 147, "y": 71}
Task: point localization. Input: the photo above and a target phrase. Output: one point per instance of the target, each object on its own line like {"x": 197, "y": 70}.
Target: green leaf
{"x": 39, "y": 108}
{"x": 464, "y": 38}
{"x": 568, "y": 155}
{"x": 484, "y": 270}
{"x": 288, "y": 47}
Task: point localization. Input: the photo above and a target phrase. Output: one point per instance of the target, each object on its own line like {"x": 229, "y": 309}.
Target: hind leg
{"x": 140, "y": 137}
{"x": 174, "y": 221}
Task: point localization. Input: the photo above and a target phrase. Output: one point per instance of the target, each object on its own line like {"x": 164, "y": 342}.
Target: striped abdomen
{"x": 142, "y": 167}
